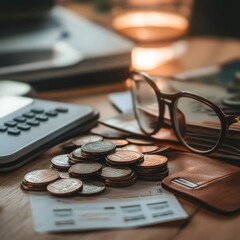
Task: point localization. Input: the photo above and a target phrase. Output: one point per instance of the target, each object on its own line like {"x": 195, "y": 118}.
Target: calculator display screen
{"x": 10, "y": 104}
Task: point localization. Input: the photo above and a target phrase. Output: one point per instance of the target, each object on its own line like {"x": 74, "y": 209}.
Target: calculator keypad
{"x": 29, "y": 114}
{"x": 14, "y": 131}
{"x": 23, "y": 126}
{"x": 10, "y": 123}
{"x": 29, "y": 119}
{"x": 20, "y": 119}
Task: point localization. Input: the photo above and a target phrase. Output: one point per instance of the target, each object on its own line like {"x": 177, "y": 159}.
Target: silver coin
{"x": 115, "y": 172}
{"x": 61, "y": 161}
{"x": 98, "y": 148}
{"x": 92, "y": 188}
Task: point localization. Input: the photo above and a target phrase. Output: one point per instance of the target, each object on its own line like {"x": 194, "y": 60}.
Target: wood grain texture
{"x": 16, "y": 220}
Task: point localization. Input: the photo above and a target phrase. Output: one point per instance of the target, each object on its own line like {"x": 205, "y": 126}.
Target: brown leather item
{"x": 204, "y": 180}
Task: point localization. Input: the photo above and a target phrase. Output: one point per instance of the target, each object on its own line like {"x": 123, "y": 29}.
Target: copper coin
{"x": 85, "y": 169}
{"x": 98, "y": 148}
{"x": 118, "y": 142}
{"x": 28, "y": 187}
{"x": 65, "y": 187}
{"x": 153, "y": 161}
{"x": 74, "y": 160}
{"x": 115, "y": 172}
{"x": 86, "y": 139}
{"x": 161, "y": 150}
{"x": 140, "y": 141}
{"x": 41, "y": 177}
{"x": 121, "y": 184}
{"x": 125, "y": 157}
{"x": 92, "y": 188}
{"x": 64, "y": 174}
{"x": 78, "y": 154}
{"x": 142, "y": 149}
{"x": 154, "y": 177}
{"x": 61, "y": 161}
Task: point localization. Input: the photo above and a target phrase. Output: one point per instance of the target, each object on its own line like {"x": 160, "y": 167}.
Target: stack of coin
{"x": 60, "y": 162}
{"x": 98, "y": 149}
{"x": 118, "y": 176}
{"x": 85, "y": 170}
{"x": 154, "y": 167}
{"x": 124, "y": 157}
{"x": 86, "y": 162}
{"x": 39, "y": 179}
{"x": 65, "y": 187}
{"x": 76, "y": 156}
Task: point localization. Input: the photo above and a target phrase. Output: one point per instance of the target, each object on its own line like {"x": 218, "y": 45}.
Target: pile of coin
{"x": 153, "y": 167}
{"x": 39, "y": 179}
{"x": 95, "y": 162}
{"x": 118, "y": 176}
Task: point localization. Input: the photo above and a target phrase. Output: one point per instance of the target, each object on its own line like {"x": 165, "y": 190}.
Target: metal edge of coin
{"x": 110, "y": 157}
{"x": 109, "y": 176}
{"x": 55, "y": 176}
{"x": 63, "y": 164}
{"x": 90, "y": 149}
{"x": 73, "y": 171}
{"x": 122, "y": 180}
{"x": 52, "y": 190}
{"x": 86, "y": 192}
{"x": 27, "y": 187}
{"x": 129, "y": 183}
{"x": 161, "y": 161}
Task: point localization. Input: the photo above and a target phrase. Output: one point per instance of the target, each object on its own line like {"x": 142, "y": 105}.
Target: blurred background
{"x": 93, "y": 41}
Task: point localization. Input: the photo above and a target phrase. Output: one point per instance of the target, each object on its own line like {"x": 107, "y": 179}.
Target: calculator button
{"x": 10, "y": 123}
{"x": 41, "y": 117}
{"x": 14, "y": 131}
{"x": 61, "y": 109}
{"x": 29, "y": 114}
{"x": 52, "y": 113}
{"x": 20, "y": 119}
{"x": 33, "y": 122}
{"x": 23, "y": 126}
{"x": 3, "y": 128}
{"x": 37, "y": 110}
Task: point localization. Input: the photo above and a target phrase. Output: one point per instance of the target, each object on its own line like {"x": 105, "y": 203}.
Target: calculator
{"x": 29, "y": 127}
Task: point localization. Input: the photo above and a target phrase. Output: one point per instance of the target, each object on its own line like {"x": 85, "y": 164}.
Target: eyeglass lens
{"x": 196, "y": 123}
{"x": 202, "y": 126}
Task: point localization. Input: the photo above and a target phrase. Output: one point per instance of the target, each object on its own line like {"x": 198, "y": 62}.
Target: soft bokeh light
{"x": 150, "y": 25}
{"x": 150, "y": 58}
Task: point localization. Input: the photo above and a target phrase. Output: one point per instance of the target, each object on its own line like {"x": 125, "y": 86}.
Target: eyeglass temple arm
{"x": 231, "y": 119}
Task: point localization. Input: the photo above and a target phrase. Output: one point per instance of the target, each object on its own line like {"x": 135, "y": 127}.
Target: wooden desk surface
{"x": 16, "y": 220}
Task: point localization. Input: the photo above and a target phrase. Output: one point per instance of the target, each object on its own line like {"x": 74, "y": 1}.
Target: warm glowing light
{"x": 150, "y": 58}
{"x": 150, "y": 18}
{"x": 150, "y": 25}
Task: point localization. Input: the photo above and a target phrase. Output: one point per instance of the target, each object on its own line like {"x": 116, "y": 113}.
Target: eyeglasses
{"x": 199, "y": 124}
